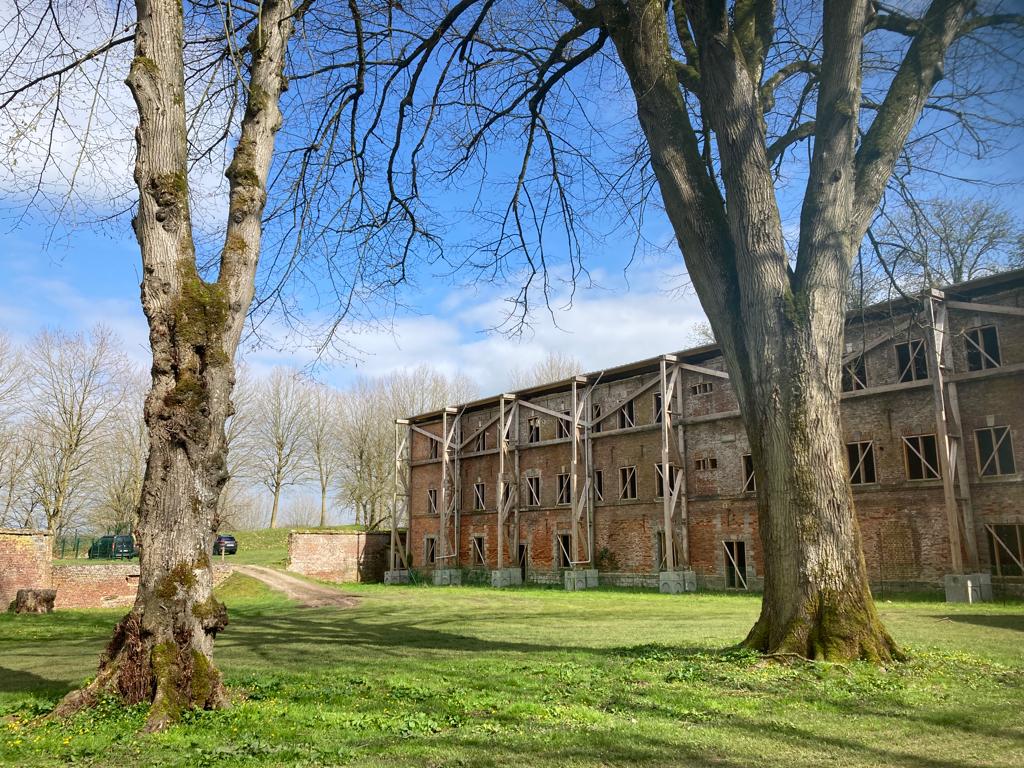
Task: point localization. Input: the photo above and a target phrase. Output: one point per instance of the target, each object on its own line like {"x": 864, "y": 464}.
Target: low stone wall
{"x": 339, "y": 555}
{"x": 111, "y": 585}
{"x": 26, "y": 562}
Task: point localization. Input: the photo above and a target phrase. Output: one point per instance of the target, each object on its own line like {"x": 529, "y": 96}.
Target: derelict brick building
{"x": 568, "y": 478}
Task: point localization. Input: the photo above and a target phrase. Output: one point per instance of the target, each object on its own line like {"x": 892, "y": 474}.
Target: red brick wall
{"x": 339, "y": 556}
{"x": 25, "y": 562}
{"x": 903, "y": 522}
{"x": 111, "y": 585}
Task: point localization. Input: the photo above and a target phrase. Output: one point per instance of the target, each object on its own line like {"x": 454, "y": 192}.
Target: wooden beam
{"x": 705, "y": 371}
{"x": 993, "y": 309}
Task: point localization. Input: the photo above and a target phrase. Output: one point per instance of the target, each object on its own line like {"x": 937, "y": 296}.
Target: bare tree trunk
{"x": 323, "y": 505}
{"x": 276, "y": 506}
{"x": 817, "y": 602}
{"x": 770, "y": 320}
{"x": 162, "y": 651}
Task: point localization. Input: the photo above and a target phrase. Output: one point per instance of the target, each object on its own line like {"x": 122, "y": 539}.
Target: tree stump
{"x": 34, "y": 601}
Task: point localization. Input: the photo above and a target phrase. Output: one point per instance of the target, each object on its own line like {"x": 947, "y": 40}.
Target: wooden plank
{"x": 705, "y": 371}
{"x": 993, "y": 309}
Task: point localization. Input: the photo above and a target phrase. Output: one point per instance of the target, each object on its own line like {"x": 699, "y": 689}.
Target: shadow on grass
{"x": 288, "y": 638}
{"x": 995, "y": 621}
{"x": 21, "y": 681}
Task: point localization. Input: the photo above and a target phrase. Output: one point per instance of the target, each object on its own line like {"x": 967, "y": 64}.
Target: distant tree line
{"x": 73, "y": 445}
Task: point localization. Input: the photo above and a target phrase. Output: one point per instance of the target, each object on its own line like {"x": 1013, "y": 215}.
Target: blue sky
{"x": 81, "y": 274}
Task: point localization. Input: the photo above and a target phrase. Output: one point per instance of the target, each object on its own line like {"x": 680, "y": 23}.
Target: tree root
{"x": 173, "y": 675}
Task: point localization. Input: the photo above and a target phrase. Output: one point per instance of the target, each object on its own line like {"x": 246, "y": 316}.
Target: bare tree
{"x": 118, "y": 465}
{"x": 701, "y": 334}
{"x": 554, "y": 367}
{"x": 723, "y": 95}
{"x": 945, "y": 241}
{"x": 234, "y": 507}
{"x": 76, "y": 386}
{"x": 366, "y": 479}
{"x": 207, "y": 81}
{"x": 323, "y": 407}
{"x": 15, "y": 447}
{"x": 277, "y": 436}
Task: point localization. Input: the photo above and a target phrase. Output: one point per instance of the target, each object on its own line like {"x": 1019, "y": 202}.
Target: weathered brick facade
{"x": 25, "y": 562}
{"x": 889, "y": 406}
{"x": 111, "y": 585}
{"x": 339, "y": 555}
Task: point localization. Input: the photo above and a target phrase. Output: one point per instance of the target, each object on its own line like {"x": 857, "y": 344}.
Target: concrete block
{"x": 578, "y": 580}
{"x": 506, "y": 577}
{"x": 447, "y": 577}
{"x": 677, "y": 582}
{"x": 396, "y": 577}
{"x": 968, "y": 587}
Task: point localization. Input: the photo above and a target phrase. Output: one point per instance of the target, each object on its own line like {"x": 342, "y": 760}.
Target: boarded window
{"x": 564, "y": 489}
{"x": 922, "y": 457}
{"x": 533, "y": 491}
{"x": 598, "y": 485}
{"x": 860, "y": 458}
{"x": 627, "y": 416}
{"x": 430, "y": 550}
{"x": 562, "y": 426}
{"x": 480, "y": 444}
{"x": 659, "y": 408}
{"x": 995, "y": 451}
{"x": 749, "y": 483}
{"x": 735, "y": 564}
{"x": 705, "y": 463}
{"x": 627, "y": 483}
{"x": 595, "y": 417}
{"x": 479, "y": 496}
{"x": 564, "y": 550}
{"x": 855, "y": 375}
{"x": 982, "y": 346}
{"x": 432, "y": 501}
{"x": 478, "y": 551}
{"x": 911, "y": 363}
{"x": 1006, "y": 549}
{"x": 659, "y": 480}
{"x": 434, "y": 449}
{"x": 533, "y": 430}
{"x": 702, "y": 388}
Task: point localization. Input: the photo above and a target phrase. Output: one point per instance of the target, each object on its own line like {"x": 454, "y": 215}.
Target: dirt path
{"x": 303, "y": 592}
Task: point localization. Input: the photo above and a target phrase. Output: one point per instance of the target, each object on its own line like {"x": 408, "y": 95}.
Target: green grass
{"x": 425, "y": 676}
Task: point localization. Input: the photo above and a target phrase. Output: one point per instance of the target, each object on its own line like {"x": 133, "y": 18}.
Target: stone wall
{"x": 110, "y": 585}
{"x": 25, "y": 562}
{"x": 339, "y": 555}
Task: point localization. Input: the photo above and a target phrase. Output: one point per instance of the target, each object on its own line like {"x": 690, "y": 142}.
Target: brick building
{"x": 566, "y": 480}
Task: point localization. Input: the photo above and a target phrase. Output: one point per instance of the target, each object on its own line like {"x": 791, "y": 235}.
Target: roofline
{"x": 968, "y": 286}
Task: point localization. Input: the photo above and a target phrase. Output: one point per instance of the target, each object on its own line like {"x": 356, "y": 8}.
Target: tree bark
{"x": 276, "y": 505}
{"x": 162, "y": 651}
{"x": 780, "y": 331}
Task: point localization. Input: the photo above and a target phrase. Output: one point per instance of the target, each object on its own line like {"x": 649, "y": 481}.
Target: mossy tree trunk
{"x": 779, "y": 320}
{"x": 162, "y": 651}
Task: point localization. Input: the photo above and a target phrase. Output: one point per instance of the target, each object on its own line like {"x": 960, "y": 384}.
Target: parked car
{"x": 113, "y": 548}
{"x": 225, "y": 544}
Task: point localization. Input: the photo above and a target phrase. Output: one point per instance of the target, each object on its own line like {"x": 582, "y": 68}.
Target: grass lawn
{"x": 467, "y": 676}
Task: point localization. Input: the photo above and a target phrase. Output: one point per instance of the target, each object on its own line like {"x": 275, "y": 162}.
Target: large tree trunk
{"x": 816, "y": 603}
{"x": 162, "y": 651}
{"x": 781, "y": 332}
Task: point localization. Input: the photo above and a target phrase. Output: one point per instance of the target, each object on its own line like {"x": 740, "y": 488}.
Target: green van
{"x": 113, "y": 548}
